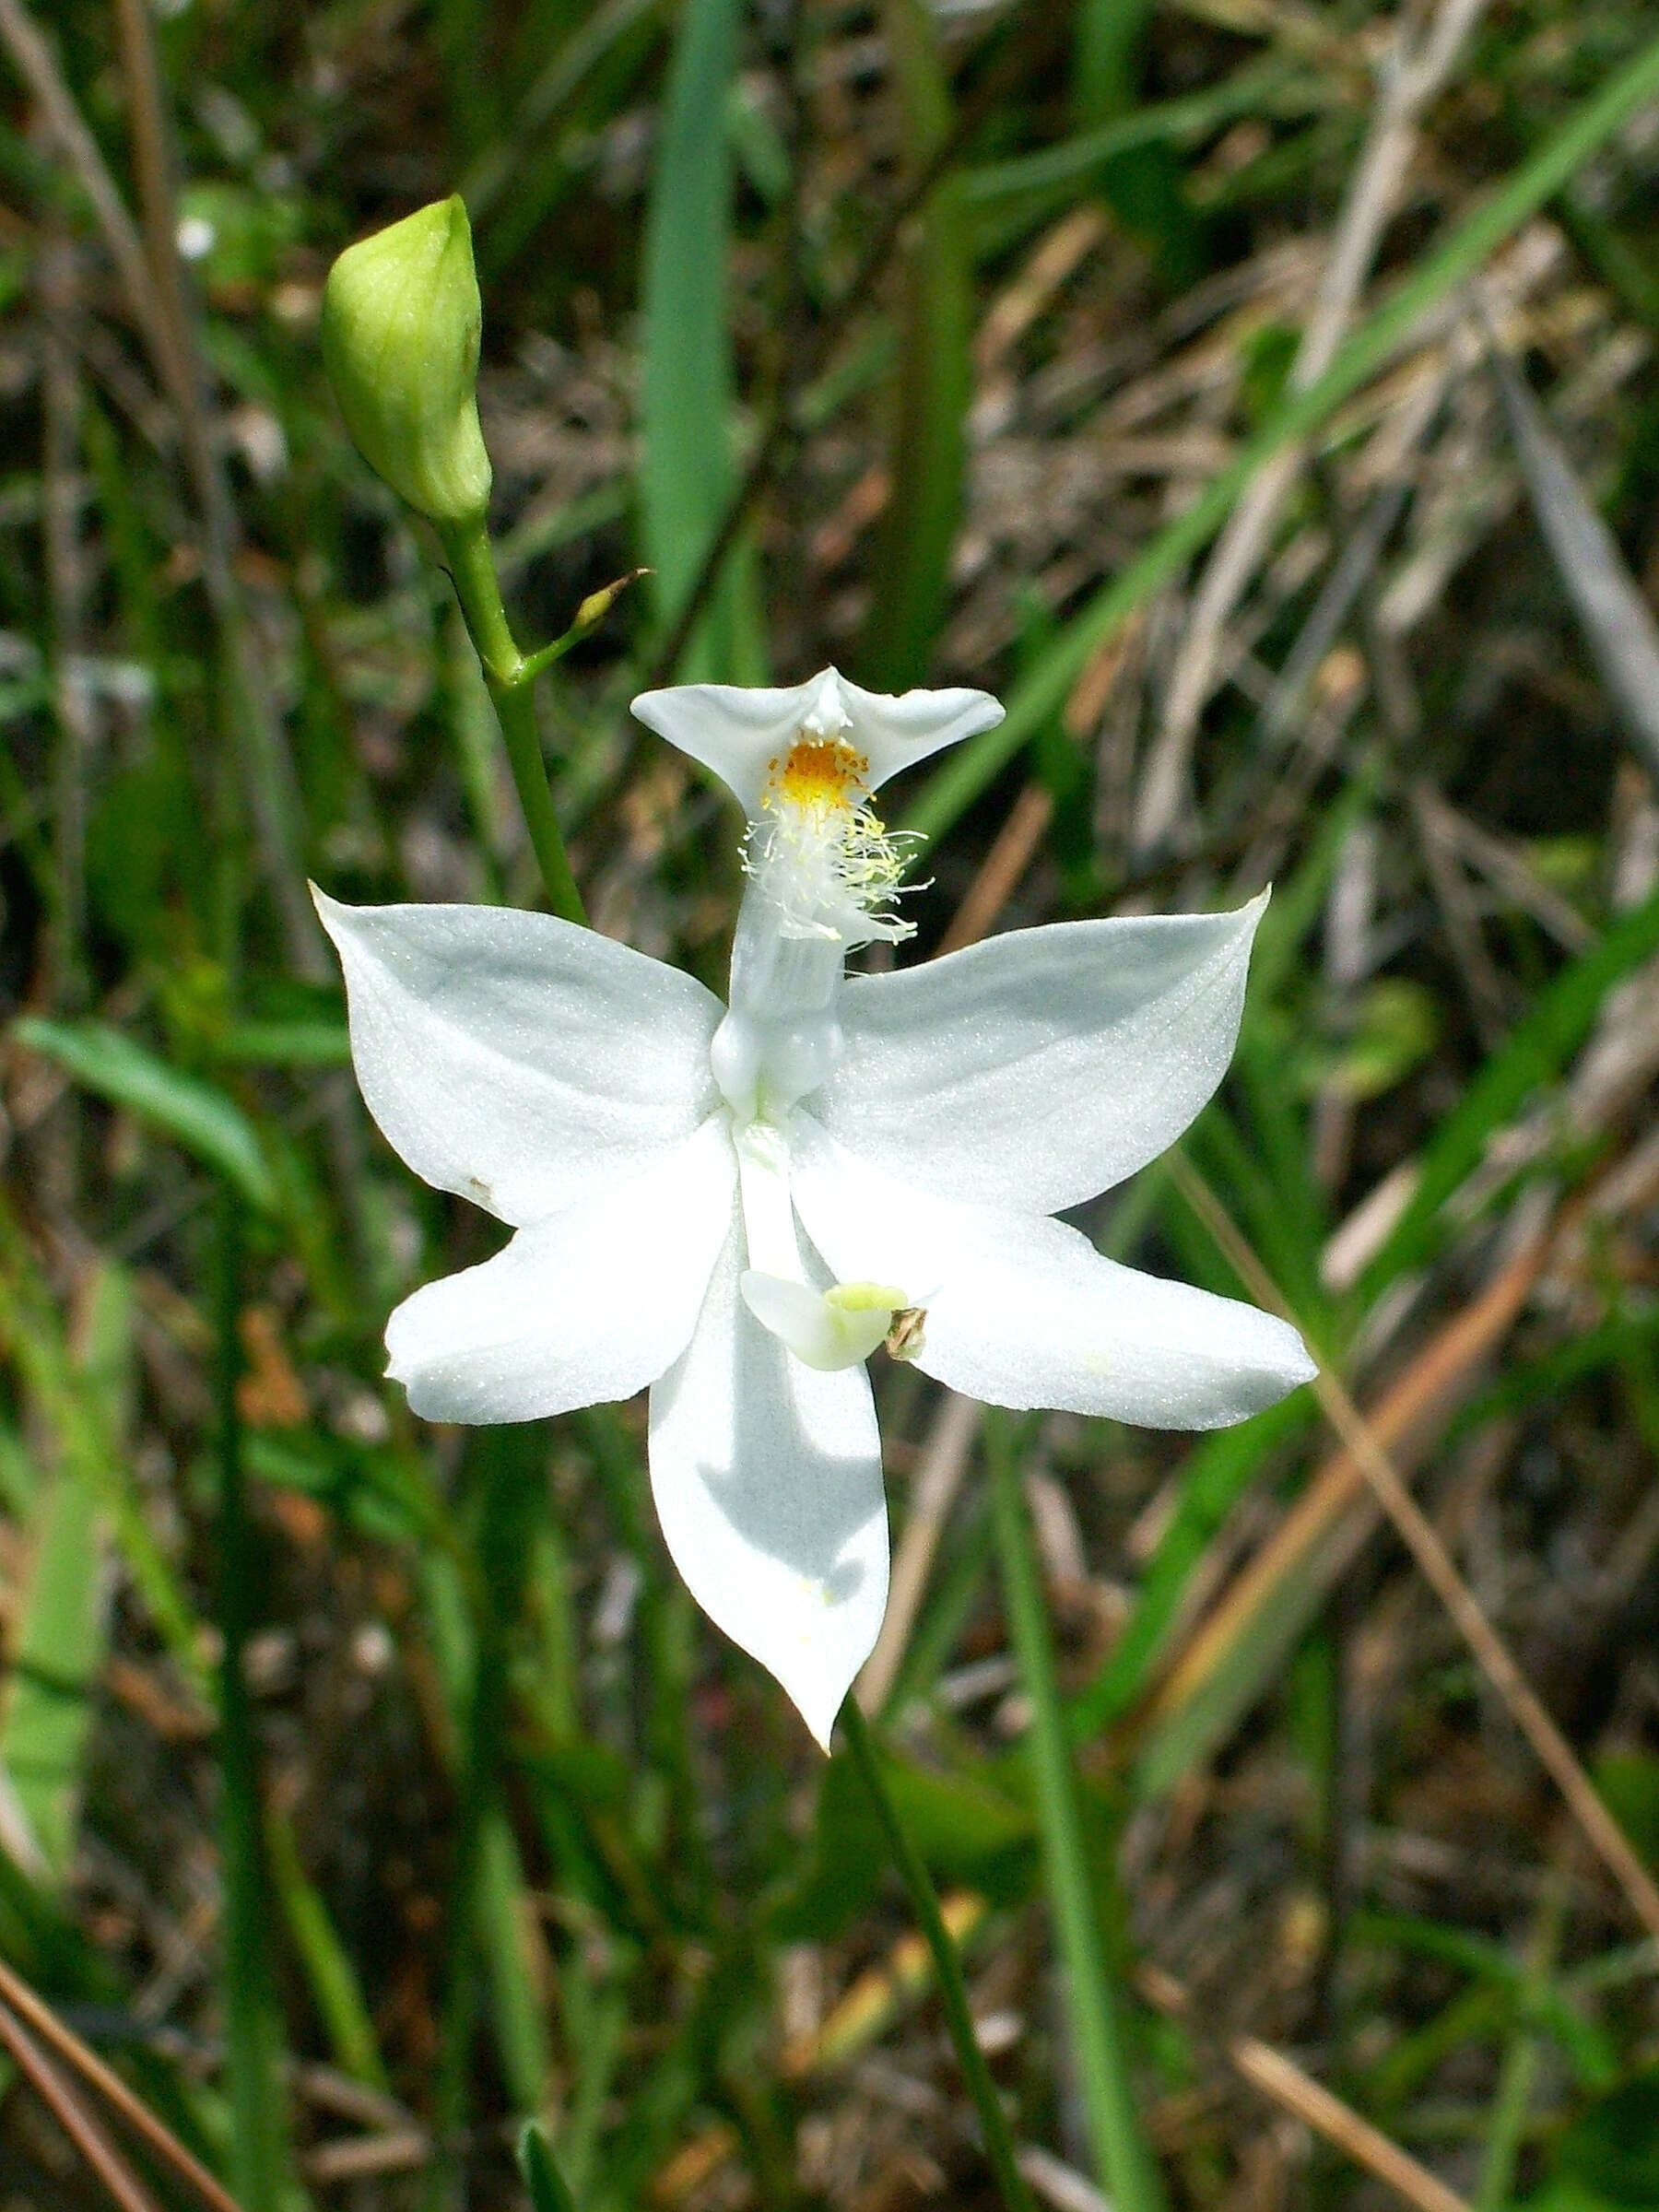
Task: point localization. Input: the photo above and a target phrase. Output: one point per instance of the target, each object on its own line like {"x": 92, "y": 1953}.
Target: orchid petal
{"x": 1036, "y": 1069}
{"x": 515, "y": 1058}
{"x": 1022, "y": 1311}
{"x": 742, "y": 733}
{"x": 590, "y": 1304}
{"x": 767, "y": 1476}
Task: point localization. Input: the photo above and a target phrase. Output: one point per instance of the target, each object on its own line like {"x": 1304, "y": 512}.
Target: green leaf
{"x": 1398, "y": 1028}
{"x": 1144, "y": 187}
{"x": 963, "y": 1827}
{"x": 286, "y": 1043}
{"x": 933, "y": 385}
{"x": 512, "y": 1940}
{"x": 59, "y": 1651}
{"x": 335, "y": 1986}
{"x": 1613, "y": 2148}
{"x": 542, "y": 2177}
{"x": 80, "y": 1402}
{"x": 1628, "y": 1782}
{"x": 1074, "y": 162}
{"x": 1217, "y": 1472}
{"x": 1536, "y": 1052}
{"x": 685, "y": 380}
{"x": 196, "y": 1115}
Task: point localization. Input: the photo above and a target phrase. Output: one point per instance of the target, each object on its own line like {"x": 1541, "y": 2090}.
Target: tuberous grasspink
{"x": 735, "y": 1206}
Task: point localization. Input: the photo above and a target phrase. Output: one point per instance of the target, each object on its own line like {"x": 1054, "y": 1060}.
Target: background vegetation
{"x": 1260, "y": 395}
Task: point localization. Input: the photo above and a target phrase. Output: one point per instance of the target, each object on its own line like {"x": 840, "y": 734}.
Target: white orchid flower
{"x": 735, "y": 1205}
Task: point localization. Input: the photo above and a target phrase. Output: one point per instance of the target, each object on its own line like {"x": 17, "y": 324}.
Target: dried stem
{"x": 1280, "y": 2078}
{"x": 58, "y": 2095}
{"x": 1409, "y": 81}
{"x": 1434, "y": 1561}
{"x": 23, "y": 2001}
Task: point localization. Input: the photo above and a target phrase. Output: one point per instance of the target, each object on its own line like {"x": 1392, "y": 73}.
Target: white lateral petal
{"x": 767, "y": 1477}
{"x": 1024, "y": 1312}
{"x": 515, "y": 1058}
{"x": 1036, "y": 1069}
{"x": 741, "y": 734}
{"x": 591, "y": 1304}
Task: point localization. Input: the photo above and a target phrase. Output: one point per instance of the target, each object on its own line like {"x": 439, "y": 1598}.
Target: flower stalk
{"x": 925, "y": 1902}
{"x": 510, "y": 680}
{"x": 1128, "y": 2173}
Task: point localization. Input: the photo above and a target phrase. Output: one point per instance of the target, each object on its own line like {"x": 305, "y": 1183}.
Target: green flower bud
{"x": 401, "y": 318}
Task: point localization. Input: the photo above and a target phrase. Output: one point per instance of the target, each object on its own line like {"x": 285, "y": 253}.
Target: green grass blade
{"x": 974, "y": 765}
{"x": 542, "y": 2177}
{"x": 335, "y": 1987}
{"x": 59, "y": 1648}
{"x": 913, "y": 1870}
{"x": 910, "y": 568}
{"x": 1216, "y": 1475}
{"x": 207, "y": 1122}
{"x": 506, "y": 1924}
{"x": 686, "y": 383}
{"x": 285, "y": 1044}
{"x": 58, "y": 1652}
{"x": 1535, "y": 1053}
{"x": 1075, "y": 163}
{"x": 933, "y": 385}
{"x": 261, "y": 2161}
{"x": 1128, "y": 2172}
{"x": 31, "y": 1330}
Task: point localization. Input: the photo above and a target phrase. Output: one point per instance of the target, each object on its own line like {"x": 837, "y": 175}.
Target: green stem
{"x": 259, "y": 2153}
{"x": 1519, "y": 2070}
{"x": 994, "y": 2126}
{"x": 1128, "y": 2172}
{"x": 512, "y": 679}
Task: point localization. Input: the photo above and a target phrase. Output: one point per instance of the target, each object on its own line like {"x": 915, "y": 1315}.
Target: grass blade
{"x": 686, "y": 472}
{"x": 911, "y": 567}
{"x": 30, "y": 1330}
{"x": 1539, "y": 1048}
{"x": 1244, "y": 1640}
{"x": 1128, "y": 2173}
{"x": 58, "y": 1654}
{"x": 59, "y": 1647}
{"x": 207, "y": 1122}
{"x": 507, "y": 1924}
{"x": 1075, "y": 161}
{"x": 335, "y": 1987}
{"x": 1041, "y": 692}
{"x": 542, "y": 2177}
{"x": 1616, "y": 620}
{"x": 261, "y": 2163}
{"x": 993, "y": 2126}
{"x": 1216, "y": 1475}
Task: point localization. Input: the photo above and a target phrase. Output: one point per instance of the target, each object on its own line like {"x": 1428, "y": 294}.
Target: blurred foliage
{"x": 366, "y": 1815}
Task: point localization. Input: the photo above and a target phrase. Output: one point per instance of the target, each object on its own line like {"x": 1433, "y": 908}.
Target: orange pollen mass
{"x": 818, "y": 771}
